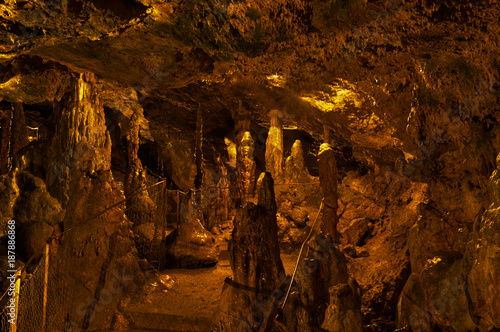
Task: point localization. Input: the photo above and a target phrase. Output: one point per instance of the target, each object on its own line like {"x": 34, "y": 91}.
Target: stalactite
{"x": 328, "y": 175}
{"x": 274, "y": 147}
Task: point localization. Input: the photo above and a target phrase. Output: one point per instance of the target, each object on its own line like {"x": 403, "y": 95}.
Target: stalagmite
{"x": 190, "y": 245}
{"x": 246, "y": 169}
{"x": 140, "y": 208}
{"x": 19, "y": 133}
{"x": 328, "y": 179}
{"x": 255, "y": 262}
{"x": 5, "y": 117}
{"x": 81, "y": 143}
{"x": 295, "y": 169}
{"x": 274, "y": 147}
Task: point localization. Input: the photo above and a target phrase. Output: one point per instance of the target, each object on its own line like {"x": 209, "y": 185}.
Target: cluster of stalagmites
{"x": 62, "y": 188}
{"x": 323, "y": 296}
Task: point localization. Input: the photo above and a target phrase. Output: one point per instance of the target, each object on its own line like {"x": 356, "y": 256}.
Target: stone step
{"x": 155, "y": 321}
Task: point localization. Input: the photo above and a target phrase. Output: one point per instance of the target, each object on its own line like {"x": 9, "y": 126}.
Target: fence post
{"x": 45, "y": 287}
{"x": 178, "y": 208}
{"x": 17, "y": 289}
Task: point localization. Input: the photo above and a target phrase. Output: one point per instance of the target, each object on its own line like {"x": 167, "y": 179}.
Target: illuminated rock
{"x": 483, "y": 260}
{"x": 257, "y": 268}
{"x": 326, "y": 297}
{"x": 81, "y": 143}
{"x": 5, "y": 115}
{"x": 246, "y": 169}
{"x": 274, "y": 147}
{"x": 19, "y": 132}
{"x": 295, "y": 169}
{"x": 190, "y": 245}
{"x": 328, "y": 179}
{"x": 140, "y": 207}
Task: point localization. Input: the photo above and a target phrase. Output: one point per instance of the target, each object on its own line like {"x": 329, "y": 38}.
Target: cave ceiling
{"x": 387, "y": 77}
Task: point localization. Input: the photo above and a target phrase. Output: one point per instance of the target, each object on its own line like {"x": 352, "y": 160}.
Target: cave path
{"x": 189, "y": 305}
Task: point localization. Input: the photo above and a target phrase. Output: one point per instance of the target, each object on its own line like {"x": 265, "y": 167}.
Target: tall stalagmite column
{"x": 81, "y": 143}
{"x": 328, "y": 175}
{"x": 19, "y": 133}
{"x": 141, "y": 207}
{"x": 246, "y": 169}
{"x": 136, "y": 177}
{"x": 5, "y": 117}
{"x": 258, "y": 271}
{"x": 274, "y": 147}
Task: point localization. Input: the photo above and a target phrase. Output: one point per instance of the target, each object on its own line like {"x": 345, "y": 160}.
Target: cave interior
{"x": 243, "y": 165}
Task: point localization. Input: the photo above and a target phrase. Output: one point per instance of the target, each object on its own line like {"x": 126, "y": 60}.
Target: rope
{"x": 300, "y": 254}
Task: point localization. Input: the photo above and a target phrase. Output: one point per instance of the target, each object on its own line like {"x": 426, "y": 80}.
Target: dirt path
{"x": 193, "y": 293}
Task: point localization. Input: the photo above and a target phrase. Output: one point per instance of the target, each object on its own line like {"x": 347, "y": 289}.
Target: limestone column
{"x": 257, "y": 268}
{"x": 328, "y": 175}
{"x": 135, "y": 177}
{"x": 81, "y": 143}
{"x": 5, "y": 117}
{"x": 246, "y": 169}
{"x": 19, "y": 133}
{"x": 295, "y": 169}
{"x": 274, "y": 147}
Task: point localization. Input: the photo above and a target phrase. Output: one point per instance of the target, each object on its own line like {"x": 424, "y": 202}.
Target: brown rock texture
{"x": 256, "y": 264}
{"x": 326, "y": 297}
{"x": 81, "y": 143}
{"x": 190, "y": 245}
{"x": 274, "y": 147}
{"x": 408, "y": 92}
{"x": 328, "y": 177}
{"x": 295, "y": 169}
{"x": 245, "y": 165}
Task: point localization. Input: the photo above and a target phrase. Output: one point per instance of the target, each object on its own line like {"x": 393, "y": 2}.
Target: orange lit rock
{"x": 295, "y": 168}
{"x": 274, "y": 147}
{"x": 190, "y": 245}
{"x": 140, "y": 207}
{"x": 245, "y": 165}
{"x": 256, "y": 265}
{"x": 328, "y": 180}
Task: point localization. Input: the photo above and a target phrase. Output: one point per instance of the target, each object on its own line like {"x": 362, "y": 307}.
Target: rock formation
{"x": 326, "y": 297}
{"x": 190, "y": 245}
{"x": 407, "y": 90}
{"x": 274, "y": 147}
{"x": 328, "y": 177}
{"x": 140, "y": 207}
{"x": 295, "y": 168}
{"x": 5, "y": 116}
{"x": 257, "y": 268}
{"x": 482, "y": 262}
{"x": 18, "y": 131}
{"x": 81, "y": 144}
{"x": 245, "y": 165}
{"x": 454, "y": 284}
